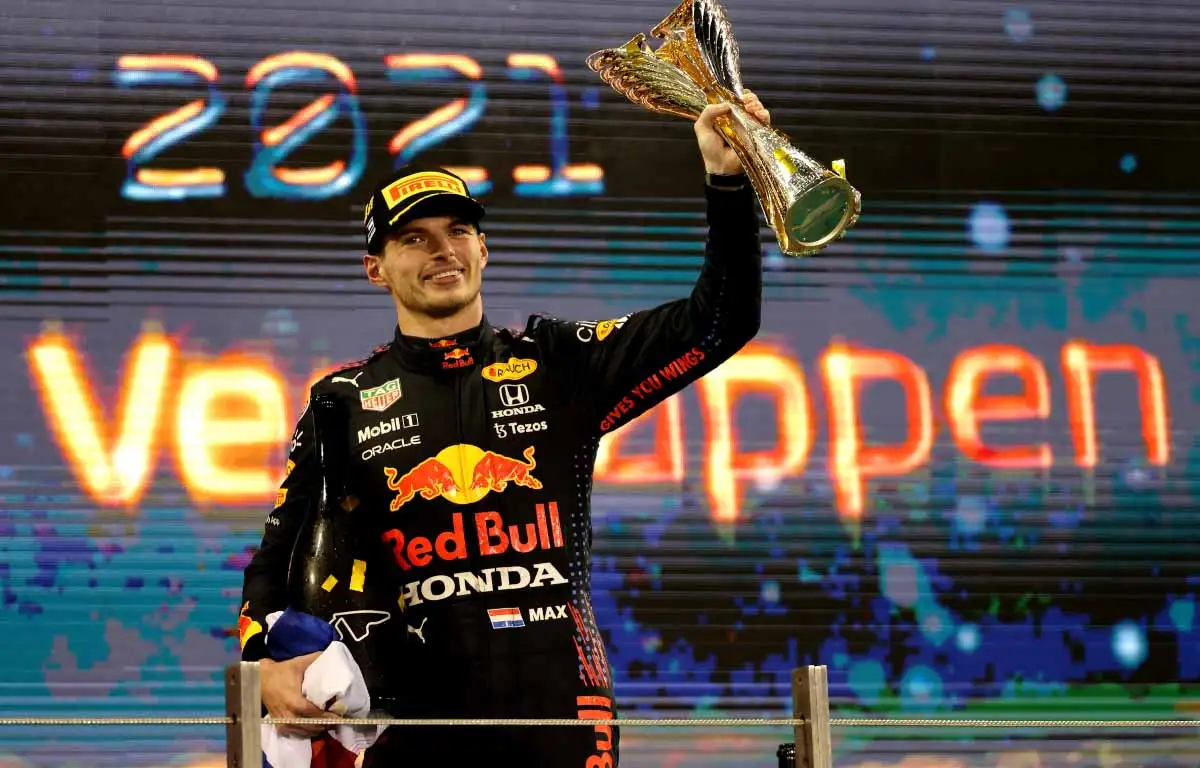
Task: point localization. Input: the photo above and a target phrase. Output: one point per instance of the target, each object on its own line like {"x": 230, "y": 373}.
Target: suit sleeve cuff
{"x": 733, "y": 221}
{"x": 731, "y": 182}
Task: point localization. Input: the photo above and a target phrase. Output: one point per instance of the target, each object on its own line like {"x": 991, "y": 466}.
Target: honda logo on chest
{"x": 514, "y": 394}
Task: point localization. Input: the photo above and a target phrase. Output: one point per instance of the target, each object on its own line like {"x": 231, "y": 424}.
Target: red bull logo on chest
{"x": 482, "y": 535}
{"x": 488, "y": 533}
{"x": 462, "y": 474}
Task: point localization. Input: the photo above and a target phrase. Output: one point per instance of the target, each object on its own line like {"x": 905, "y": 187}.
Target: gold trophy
{"x": 807, "y": 205}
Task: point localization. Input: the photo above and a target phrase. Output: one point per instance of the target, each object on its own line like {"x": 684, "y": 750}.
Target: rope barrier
{"x": 972, "y": 723}
{"x": 70, "y": 721}
{"x": 623, "y": 722}
{"x": 811, "y": 743}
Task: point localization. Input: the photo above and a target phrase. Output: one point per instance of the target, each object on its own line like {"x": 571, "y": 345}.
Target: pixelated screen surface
{"x": 958, "y": 465}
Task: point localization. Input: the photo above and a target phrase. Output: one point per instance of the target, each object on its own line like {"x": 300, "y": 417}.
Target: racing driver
{"x": 472, "y": 453}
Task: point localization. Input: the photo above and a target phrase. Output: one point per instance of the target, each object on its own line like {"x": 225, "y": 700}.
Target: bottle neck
{"x": 329, "y": 424}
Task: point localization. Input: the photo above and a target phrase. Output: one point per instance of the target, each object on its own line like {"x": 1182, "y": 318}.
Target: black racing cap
{"x": 412, "y": 192}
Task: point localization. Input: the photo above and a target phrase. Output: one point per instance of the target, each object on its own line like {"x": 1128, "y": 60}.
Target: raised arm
{"x": 628, "y": 365}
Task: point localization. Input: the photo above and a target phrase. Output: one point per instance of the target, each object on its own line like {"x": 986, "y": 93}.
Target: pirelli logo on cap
{"x": 399, "y": 191}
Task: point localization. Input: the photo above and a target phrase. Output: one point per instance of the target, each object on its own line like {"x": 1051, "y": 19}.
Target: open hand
{"x": 283, "y": 694}
{"x": 718, "y": 157}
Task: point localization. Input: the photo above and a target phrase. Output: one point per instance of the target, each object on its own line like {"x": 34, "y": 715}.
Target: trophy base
{"x": 819, "y": 216}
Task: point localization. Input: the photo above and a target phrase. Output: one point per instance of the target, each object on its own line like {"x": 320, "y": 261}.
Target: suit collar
{"x": 458, "y": 352}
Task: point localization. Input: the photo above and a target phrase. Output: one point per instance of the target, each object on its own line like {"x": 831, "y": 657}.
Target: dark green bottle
{"x": 786, "y": 755}
{"x": 340, "y": 570}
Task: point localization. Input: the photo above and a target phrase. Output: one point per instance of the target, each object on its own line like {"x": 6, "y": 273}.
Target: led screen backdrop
{"x": 958, "y": 466}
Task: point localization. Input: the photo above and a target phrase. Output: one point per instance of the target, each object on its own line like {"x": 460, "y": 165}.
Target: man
{"x": 473, "y": 455}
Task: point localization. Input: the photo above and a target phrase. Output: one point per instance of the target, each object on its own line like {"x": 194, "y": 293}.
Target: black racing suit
{"x": 473, "y": 455}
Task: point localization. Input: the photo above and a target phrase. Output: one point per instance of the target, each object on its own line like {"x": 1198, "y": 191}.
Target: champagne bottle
{"x": 338, "y": 571}
{"x": 786, "y": 755}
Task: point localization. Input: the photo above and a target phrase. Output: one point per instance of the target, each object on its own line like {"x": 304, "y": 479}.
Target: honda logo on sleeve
{"x": 514, "y": 394}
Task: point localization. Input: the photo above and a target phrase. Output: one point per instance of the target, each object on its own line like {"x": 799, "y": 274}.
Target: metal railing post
{"x": 243, "y": 705}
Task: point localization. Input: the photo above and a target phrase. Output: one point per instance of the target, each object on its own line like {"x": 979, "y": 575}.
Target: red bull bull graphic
{"x": 247, "y": 627}
{"x": 492, "y": 537}
{"x": 495, "y": 471}
{"x": 462, "y": 474}
{"x": 429, "y": 478}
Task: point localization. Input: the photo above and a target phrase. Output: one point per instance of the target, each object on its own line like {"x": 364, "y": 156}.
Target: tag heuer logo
{"x": 515, "y": 368}
{"x": 380, "y": 398}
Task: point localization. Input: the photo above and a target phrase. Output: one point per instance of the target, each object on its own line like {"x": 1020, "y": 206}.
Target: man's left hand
{"x": 719, "y": 159}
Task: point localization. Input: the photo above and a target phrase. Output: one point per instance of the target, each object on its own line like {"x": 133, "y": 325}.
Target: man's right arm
{"x": 264, "y": 586}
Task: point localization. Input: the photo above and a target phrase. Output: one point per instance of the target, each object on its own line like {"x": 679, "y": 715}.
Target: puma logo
{"x": 419, "y": 630}
{"x": 353, "y": 381}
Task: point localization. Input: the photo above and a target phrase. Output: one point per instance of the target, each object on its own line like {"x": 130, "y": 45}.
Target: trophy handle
{"x": 645, "y": 78}
{"x": 677, "y": 23}
{"x": 697, "y": 37}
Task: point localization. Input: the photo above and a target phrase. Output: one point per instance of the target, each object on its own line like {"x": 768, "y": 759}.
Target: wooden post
{"x": 810, "y": 702}
{"x": 243, "y": 705}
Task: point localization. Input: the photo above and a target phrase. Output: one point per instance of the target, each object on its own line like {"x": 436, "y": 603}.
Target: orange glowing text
{"x": 852, "y": 462}
{"x": 227, "y": 419}
{"x": 967, "y": 406}
{"x": 1081, "y": 362}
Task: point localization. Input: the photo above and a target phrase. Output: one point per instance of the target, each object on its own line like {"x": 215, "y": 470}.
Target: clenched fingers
{"x": 306, "y": 709}
{"x": 755, "y": 107}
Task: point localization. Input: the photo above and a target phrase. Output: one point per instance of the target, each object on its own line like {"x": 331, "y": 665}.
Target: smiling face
{"x": 432, "y": 266}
